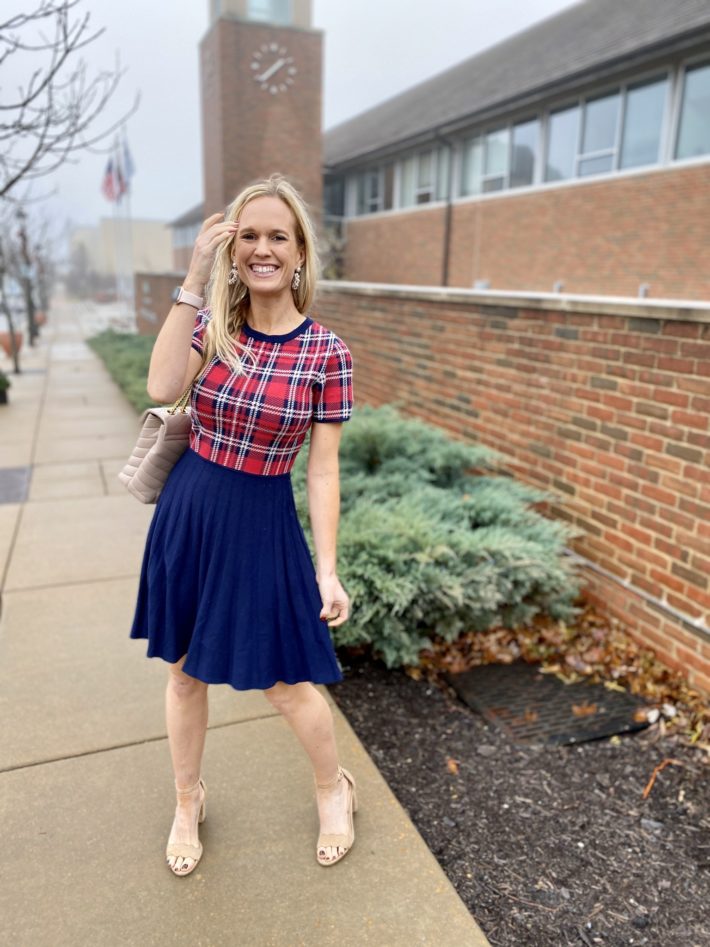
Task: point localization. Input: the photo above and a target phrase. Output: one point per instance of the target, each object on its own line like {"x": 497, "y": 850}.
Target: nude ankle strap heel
{"x": 183, "y": 849}
{"x": 338, "y": 840}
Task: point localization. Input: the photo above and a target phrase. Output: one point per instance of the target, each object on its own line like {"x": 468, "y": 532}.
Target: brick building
{"x": 573, "y": 156}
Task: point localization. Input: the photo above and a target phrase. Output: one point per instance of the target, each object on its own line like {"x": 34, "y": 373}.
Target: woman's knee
{"x": 285, "y": 697}
{"x": 181, "y": 684}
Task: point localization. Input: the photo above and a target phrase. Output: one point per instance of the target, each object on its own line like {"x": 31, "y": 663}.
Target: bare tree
{"x": 54, "y": 114}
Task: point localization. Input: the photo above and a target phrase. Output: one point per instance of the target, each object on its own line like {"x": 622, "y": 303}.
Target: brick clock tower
{"x": 260, "y": 65}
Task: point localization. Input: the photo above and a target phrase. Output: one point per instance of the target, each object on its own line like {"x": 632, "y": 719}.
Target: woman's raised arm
{"x": 173, "y": 363}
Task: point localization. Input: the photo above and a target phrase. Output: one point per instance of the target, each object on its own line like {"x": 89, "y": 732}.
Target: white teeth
{"x": 264, "y": 269}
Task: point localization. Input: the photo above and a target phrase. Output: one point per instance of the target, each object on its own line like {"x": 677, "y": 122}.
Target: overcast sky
{"x": 373, "y": 50}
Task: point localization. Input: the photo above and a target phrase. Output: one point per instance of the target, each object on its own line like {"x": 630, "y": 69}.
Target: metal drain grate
{"x": 532, "y": 707}
{"x": 14, "y": 484}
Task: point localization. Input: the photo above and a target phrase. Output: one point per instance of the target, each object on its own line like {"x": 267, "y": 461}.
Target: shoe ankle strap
{"x": 186, "y": 792}
{"x": 333, "y": 782}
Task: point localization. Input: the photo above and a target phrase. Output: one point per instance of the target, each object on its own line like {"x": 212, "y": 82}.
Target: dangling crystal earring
{"x": 233, "y": 275}
{"x": 296, "y": 281}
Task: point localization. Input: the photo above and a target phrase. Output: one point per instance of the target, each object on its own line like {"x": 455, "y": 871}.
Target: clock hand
{"x": 269, "y": 72}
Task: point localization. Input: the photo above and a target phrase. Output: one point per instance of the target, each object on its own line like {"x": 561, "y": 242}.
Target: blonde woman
{"x": 228, "y": 592}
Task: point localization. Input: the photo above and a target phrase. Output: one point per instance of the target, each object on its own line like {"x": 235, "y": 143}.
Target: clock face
{"x": 273, "y": 68}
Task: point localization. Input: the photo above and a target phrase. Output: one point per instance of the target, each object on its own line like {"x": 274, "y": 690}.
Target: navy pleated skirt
{"x": 227, "y": 579}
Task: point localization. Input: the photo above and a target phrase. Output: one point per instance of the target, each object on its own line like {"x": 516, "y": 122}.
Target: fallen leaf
{"x": 452, "y": 765}
{"x": 574, "y": 661}
{"x": 594, "y": 654}
{"x": 584, "y": 710}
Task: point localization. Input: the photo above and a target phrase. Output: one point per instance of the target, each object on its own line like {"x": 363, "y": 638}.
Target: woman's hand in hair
{"x": 212, "y": 236}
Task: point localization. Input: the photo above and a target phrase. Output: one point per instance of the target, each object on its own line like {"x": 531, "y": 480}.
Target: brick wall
{"x": 248, "y": 133}
{"x": 606, "y": 404}
{"x": 152, "y": 297}
{"x": 607, "y": 236}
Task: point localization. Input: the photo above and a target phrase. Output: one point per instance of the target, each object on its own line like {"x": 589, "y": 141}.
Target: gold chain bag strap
{"x": 163, "y": 437}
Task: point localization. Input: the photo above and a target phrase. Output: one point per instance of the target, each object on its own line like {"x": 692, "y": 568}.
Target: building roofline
{"x": 192, "y": 216}
{"x": 616, "y": 65}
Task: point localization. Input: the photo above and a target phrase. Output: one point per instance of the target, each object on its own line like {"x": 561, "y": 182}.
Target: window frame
{"x": 699, "y": 60}
{"x": 614, "y": 150}
{"x": 672, "y": 74}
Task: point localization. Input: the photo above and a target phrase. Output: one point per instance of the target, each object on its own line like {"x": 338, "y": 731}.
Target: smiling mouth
{"x": 265, "y": 269}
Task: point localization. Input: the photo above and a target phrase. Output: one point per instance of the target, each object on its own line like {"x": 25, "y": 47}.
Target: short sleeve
{"x": 201, "y": 320}
{"x": 333, "y": 393}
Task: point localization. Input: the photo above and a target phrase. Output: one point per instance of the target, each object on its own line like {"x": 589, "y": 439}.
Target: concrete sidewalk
{"x": 85, "y": 781}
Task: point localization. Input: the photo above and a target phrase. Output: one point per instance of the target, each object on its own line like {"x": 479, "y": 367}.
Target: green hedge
{"x": 431, "y": 541}
{"x": 127, "y": 358}
{"x": 430, "y": 545}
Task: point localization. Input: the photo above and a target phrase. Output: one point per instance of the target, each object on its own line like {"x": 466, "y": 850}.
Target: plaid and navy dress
{"x": 227, "y": 577}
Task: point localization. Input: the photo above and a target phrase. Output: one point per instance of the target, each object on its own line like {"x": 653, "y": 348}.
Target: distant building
{"x": 184, "y": 233}
{"x": 573, "y": 156}
{"x": 116, "y": 246}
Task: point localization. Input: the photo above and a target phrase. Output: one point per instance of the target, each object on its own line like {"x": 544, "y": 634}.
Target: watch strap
{"x": 190, "y": 298}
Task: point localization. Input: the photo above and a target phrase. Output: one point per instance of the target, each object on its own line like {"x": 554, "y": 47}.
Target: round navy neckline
{"x": 285, "y": 337}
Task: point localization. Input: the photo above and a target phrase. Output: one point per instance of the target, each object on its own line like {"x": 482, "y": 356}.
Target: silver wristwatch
{"x": 190, "y": 298}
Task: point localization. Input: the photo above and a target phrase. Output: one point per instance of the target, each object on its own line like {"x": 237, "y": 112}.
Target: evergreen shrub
{"x": 429, "y": 545}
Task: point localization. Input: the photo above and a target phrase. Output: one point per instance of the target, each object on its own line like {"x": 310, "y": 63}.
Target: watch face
{"x": 273, "y": 68}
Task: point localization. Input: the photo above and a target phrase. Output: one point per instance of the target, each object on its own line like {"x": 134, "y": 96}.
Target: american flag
{"x": 118, "y": 173}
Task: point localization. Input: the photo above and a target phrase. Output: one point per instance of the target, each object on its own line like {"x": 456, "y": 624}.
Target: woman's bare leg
{"x": 186, "y": 713}
{"x": 310, "y": 717}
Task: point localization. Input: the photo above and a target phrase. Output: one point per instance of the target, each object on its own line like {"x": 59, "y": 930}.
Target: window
{"x": 334, "y": 197}
{"x": 600, "y": 121}
{"x": 605, "y": 132}
{"x": 389, "y": 186}
{"x": 186, "y": 235}
{"x": 424, "y": 177}
{"x": 523, "y": 150}
{"x": 407, "y": 186}
{"x": 472, "y": 170}
{"x": 694, "y": 127}
{"x": 643, "y": 121}
{"x": 562, "y": 132}
{"x": 270, "y": 11}
{"x": 495, "y": 158}
{"x": 369, "y": 192}
{"x": 443, "y": 158}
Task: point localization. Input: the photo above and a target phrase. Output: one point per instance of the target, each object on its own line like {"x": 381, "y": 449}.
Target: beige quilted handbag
{"x": 163, "y": 438}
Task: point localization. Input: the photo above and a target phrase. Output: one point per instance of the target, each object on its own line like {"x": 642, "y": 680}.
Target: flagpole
{"x": 131, "y": 275}
{"x": 128, "y": 172}
{"x": 116, "y": 242}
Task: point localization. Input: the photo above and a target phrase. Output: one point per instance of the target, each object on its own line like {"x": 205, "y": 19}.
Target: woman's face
{"x": 265, "y": 248}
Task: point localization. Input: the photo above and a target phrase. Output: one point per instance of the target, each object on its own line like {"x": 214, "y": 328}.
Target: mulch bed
{"x": 598, "y": 843}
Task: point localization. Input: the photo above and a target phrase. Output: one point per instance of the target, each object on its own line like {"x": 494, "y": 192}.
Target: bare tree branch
{"x": 57, "y": 112}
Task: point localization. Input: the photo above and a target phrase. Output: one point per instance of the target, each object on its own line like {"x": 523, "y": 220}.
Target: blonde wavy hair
{"x": 229, "y": 305}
